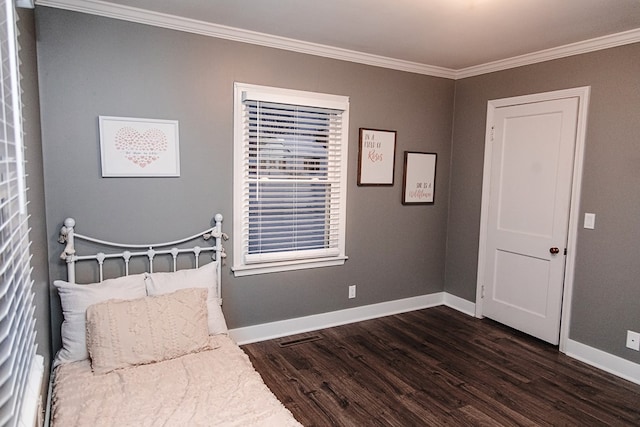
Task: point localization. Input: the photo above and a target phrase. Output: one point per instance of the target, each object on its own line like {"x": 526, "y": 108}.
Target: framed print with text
{"x": 376, "y": 157}
{"x": 131, "y": 147}
{"x": 419, "y": 178}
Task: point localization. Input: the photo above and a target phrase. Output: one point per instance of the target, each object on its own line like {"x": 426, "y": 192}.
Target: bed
{"x": 151, "y": 348}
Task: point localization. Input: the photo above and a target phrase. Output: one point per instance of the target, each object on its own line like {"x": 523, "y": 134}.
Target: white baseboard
{"x": 267, "y": 331}
{"x": 615, "y": 365}
{"x": 460, "y": 304}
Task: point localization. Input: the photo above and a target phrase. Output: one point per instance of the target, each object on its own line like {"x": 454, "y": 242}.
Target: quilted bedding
{"x": 217, "y": 387}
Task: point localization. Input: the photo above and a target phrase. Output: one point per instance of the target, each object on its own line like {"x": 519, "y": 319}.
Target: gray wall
{"x": 35, "y": 195}
{"x": 91, "y": 66}
{"x": 607, "y": 284}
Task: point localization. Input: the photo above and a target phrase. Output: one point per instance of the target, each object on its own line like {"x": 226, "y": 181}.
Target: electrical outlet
{"x": 352, "y": 291}
{"x": 633, "y": 340}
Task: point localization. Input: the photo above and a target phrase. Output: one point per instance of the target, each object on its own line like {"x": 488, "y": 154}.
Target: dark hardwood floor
{"x": 438, "y": 367}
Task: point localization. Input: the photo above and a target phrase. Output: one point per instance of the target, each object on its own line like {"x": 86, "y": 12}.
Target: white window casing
{"x": 290, "y": 176}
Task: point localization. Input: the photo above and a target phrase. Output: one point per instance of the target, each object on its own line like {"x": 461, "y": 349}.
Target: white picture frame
{"x": 376, "y": 157}
{"x": 134, "y": 147}
{"x": 419, "y": 178}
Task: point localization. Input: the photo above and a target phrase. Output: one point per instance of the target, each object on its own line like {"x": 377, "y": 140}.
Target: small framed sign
{"x": 419, "y": 178}
{"x": 132, "y": 147}
{"x": 376, "y": 157}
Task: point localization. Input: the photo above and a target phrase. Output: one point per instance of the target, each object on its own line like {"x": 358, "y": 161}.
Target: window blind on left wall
{"x": 17, "y": 321}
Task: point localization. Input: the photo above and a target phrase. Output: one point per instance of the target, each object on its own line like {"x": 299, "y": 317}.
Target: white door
{"x": 532, "y": 154}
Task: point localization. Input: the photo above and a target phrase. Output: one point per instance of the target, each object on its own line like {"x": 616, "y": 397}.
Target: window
{"x": 290, "y": 170}
{"x": 17, "y": 323}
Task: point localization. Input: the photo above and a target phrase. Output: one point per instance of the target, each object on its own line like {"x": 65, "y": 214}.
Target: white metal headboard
{"x": 149, "y": 250}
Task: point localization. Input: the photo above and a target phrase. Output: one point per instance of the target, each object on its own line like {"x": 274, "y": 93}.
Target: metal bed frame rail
{"x": 150, "y": 250}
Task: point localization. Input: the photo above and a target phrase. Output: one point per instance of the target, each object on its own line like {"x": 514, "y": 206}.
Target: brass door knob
{"x": 554, "y": 251}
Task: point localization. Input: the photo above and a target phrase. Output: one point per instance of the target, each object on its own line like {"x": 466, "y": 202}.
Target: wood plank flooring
{"x": 437, "y": 367}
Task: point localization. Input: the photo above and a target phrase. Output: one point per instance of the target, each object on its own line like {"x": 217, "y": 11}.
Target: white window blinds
{"x": 291, "y": 161}
{"x": 17, "y": 323}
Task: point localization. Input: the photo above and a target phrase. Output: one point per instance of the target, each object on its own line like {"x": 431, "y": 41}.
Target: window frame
{"x": 270, "y": 263}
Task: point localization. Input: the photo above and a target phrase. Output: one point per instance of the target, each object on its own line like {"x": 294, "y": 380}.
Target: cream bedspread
{"x": 218, "y": 387}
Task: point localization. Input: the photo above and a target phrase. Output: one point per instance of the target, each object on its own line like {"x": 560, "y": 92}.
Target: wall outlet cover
{"x": 633, "y": 340}
{"x": 352, "y": 291}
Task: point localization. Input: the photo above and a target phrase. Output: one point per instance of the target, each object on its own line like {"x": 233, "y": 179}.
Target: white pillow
{"x": 75, "y": 299}
{"x": 203, "y": 277}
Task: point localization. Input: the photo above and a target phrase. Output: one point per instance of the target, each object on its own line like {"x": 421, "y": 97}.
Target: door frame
{"x": 582, "y": 93}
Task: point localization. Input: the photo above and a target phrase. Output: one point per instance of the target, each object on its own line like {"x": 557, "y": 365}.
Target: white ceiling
{"x": 449, "y": 34}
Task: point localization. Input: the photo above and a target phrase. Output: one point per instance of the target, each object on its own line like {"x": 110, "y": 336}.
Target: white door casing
{"x": 533, "y": 163}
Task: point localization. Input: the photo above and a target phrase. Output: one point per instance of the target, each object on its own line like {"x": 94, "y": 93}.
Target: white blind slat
{"x": 271, "y": 96}
{"x": 17, "y": 321}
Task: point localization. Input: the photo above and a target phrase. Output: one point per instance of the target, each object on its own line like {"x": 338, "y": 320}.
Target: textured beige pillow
{"x": 145, "y": 330}
{"x": 203, "y": 277}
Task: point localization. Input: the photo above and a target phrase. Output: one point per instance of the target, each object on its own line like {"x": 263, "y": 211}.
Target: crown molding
{"x": 156, "y": 19}
{"x": 586, "y": 46}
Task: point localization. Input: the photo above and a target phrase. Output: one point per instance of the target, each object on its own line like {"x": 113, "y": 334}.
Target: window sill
{"x": 275, "y": 267}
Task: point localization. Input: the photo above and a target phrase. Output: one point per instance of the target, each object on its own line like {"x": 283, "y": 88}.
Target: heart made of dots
{"x": 143, "y": 148}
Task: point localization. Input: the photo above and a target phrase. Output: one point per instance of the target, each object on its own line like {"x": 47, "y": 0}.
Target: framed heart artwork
{"x": 132, "y": 147}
